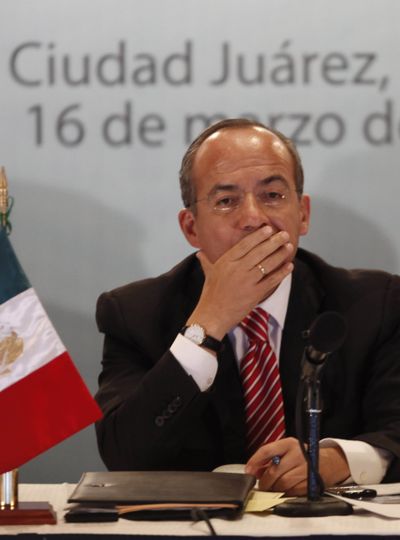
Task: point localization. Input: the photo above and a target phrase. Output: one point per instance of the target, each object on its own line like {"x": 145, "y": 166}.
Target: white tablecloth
{"x": 266, "y": 524}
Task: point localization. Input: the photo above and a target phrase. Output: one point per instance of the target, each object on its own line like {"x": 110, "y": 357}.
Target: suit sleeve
{"x": 148, "y": 401}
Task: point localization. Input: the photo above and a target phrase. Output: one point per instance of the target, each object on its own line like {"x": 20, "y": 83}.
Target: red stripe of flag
{"x": 43, "y": 409}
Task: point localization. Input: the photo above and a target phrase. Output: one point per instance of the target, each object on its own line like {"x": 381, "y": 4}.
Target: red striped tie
{"x": 265, "y": 417}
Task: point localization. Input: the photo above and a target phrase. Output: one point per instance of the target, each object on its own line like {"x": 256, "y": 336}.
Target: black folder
{"x": 159, "y": 495}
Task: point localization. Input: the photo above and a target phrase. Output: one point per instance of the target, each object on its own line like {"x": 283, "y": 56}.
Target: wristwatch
{"x": 197, "y": 334}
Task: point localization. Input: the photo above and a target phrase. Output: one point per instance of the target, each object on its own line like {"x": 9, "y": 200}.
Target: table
{"x": 251, "y": 525}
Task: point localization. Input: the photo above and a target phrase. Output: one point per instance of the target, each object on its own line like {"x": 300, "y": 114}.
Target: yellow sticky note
{"x": 263, "y": 500}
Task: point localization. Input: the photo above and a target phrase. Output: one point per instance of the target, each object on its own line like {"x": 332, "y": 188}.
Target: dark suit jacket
{"x": 155, "y": 415}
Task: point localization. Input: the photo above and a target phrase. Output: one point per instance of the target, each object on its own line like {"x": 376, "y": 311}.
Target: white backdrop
{"x": 99, "y": 99}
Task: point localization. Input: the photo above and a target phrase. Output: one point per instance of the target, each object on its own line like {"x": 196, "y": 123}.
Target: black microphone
{"x": 326, "y": 335}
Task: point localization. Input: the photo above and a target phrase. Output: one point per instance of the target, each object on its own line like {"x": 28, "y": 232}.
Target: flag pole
{"x": 4, "y": 200}
{"x": 9, "y": 490}
{"x": 11, "y": 511}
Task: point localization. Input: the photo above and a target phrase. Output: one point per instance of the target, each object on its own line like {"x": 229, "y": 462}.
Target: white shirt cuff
{"x": 196, "y": 361}
{"x": 367, "y": 464}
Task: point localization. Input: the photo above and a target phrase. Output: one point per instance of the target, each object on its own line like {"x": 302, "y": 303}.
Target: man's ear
{"x": 305, "y": 211}
{"x": 187, "y": 222}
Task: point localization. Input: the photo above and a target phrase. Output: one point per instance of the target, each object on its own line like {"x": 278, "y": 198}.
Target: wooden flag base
{"x": 28, "y": 513}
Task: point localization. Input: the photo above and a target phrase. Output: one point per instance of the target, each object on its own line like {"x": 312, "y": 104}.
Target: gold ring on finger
{"x": 261, "y": 268}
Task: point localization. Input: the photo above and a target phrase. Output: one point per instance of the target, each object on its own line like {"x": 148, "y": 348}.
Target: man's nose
{"x": 252, "y": 214}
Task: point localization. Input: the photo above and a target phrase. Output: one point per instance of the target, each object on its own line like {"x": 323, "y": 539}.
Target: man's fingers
{"x": 293, "y": 483}
{"x": 268, "y": 283}
{"x": 264, "y": 268}
{"x": 287, "y": 475}
{"x": 298, "y": 489}
{"x": 266, "y": 249}
{"x": 266, "y": 452}
{"x": 249, "y": 242}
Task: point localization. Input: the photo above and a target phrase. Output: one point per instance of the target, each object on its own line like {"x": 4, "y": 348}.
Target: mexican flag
{"x": 43, "y": 399}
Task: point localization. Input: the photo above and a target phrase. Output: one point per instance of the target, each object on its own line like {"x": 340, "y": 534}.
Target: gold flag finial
{"x": 3, "y": 197}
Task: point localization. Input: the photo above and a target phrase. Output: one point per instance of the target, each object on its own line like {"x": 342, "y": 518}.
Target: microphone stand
{"x": 315, "y": 504}
{"x": 313, "y": 410}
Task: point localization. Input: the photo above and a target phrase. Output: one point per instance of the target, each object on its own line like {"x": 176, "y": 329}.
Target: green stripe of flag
{"x": 12, "y": 278}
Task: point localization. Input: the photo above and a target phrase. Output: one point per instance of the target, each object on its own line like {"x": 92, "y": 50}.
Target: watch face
{"x": 195, "y": 333}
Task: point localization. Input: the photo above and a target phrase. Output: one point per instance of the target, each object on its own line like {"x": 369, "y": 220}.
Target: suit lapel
{"x": 227, "y": 400}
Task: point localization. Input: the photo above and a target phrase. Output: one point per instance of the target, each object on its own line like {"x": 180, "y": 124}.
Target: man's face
{"x": 242, "y": 160}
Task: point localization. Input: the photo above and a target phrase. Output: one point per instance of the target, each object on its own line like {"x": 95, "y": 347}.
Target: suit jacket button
{"x": 159, "y": 421}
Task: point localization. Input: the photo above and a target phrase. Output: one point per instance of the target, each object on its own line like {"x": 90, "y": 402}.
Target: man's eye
{"x": 271, "y": 196}
{"x": 226, "y": 202}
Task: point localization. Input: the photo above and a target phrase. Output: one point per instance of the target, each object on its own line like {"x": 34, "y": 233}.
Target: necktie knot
{"x": 255, "y": 325}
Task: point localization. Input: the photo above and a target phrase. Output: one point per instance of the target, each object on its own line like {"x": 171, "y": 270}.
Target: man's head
{"x": 188, "y": 189}
{"x": 235, "y": 177}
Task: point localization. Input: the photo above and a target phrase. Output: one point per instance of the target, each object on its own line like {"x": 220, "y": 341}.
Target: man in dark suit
{"x": 170, "y": 387}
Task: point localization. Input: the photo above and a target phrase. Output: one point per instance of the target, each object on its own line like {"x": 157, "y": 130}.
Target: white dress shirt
{"x": 367, "y": 464}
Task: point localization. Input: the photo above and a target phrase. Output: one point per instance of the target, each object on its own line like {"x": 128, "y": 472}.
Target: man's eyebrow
{"x": 273, "y": 178}
{"x": 233, "y": 187}
{"x": 223, "y": 187}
